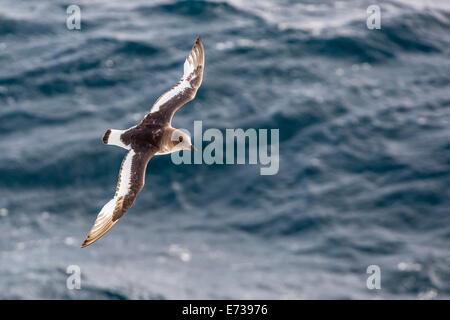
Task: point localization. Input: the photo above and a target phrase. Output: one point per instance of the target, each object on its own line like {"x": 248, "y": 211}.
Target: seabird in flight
{"x": 154, "y": 135}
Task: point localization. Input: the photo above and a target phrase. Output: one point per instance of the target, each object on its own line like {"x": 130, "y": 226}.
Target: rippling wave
{"x": 364, "y": 150}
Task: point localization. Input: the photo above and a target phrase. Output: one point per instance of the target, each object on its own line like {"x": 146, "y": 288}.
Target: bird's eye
{"x": 180, "y": 139}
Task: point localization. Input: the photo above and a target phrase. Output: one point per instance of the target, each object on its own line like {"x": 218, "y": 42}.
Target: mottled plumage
{"x": 154, "y": 135}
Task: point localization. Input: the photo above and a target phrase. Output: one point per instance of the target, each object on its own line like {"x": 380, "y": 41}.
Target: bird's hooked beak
{"x": 193, "y": 148}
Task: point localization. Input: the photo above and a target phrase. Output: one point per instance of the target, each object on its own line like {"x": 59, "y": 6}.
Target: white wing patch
{"x": 125, "y": 175}
{"x": 179, "y": 88}
{"x": 188, "y": 66}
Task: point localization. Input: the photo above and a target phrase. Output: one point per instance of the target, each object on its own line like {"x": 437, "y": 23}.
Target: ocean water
{"x": 364, "y": 120}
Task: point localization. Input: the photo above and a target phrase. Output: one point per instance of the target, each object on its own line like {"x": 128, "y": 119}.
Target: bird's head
{"x": 181, "y": 141}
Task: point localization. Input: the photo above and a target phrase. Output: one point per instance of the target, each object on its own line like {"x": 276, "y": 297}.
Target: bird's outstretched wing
{"x": 185, "y": 90}
{"x": 131, "y": 181}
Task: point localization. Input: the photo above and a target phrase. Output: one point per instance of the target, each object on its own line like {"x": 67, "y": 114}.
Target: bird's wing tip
{"x": 84, "y": 244}
{"x": 198, "y": 41}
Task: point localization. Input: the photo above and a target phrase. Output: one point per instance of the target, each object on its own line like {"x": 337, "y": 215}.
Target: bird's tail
{"x": 112, "y": 137}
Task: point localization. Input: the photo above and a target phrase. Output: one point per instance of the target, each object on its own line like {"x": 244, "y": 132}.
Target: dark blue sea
{"x": 364, "y": 168}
